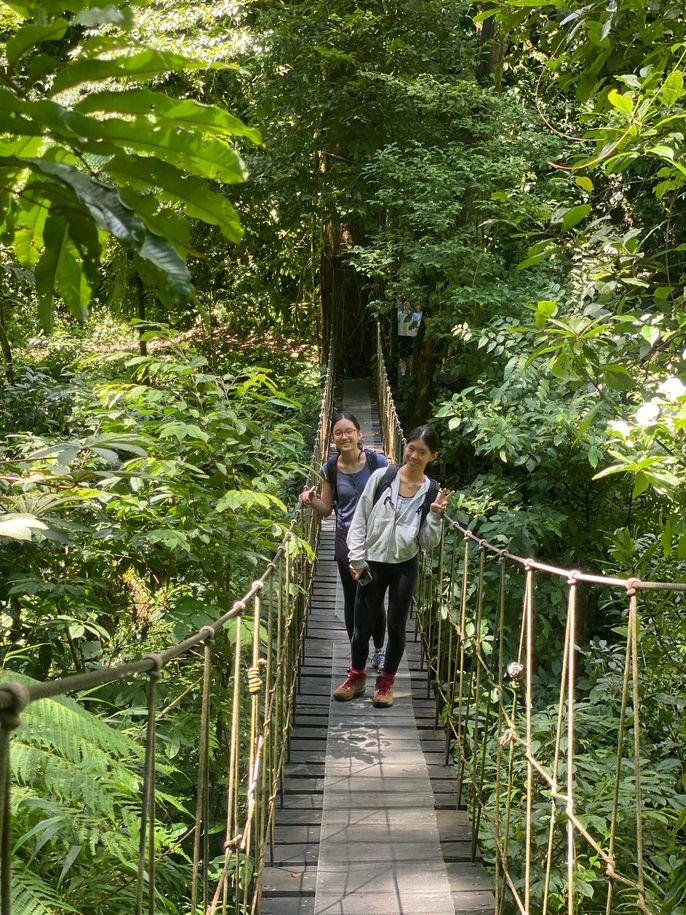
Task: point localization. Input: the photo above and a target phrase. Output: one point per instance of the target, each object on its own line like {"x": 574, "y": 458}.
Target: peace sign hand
{"x": 439, "y": 506}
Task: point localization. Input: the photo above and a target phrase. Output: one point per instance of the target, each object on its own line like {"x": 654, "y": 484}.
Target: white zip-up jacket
{"x": 386, "y": 532}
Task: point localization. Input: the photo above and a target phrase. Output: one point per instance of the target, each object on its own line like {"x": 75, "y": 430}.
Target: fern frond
{"x": 99, "y": 792}
{"x": 74, "y": 731}
{"x": 32, "y": 896}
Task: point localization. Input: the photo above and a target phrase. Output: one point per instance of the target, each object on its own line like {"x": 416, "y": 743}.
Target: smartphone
{"x": 365, "y": 578}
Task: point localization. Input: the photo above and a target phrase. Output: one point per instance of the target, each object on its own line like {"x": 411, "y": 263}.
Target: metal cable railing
{"x": 270, "y": 624}
{"x": 517, "y": 753}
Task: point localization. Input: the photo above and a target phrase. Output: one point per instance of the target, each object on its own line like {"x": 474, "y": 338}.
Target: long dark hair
{"x": 337, "y": 417}
{"x": 427, "y": 435}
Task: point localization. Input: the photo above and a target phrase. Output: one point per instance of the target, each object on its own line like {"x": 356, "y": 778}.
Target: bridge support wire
{"x": 516, "y": 751}
{"x": 258, "y": 667}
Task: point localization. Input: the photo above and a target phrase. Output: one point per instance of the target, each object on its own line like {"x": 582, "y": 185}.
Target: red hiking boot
{"x": 353, "y": 685}
{"x": 383, "y": 694}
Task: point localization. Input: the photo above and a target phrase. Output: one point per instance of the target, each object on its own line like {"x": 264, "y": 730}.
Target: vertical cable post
{"x": 528, "y": 701}
{"x": 201, "y": 836}
{"x": 147, "y": 844}
{"x": 10, "y": 719}
{"x": 571, "y": 677}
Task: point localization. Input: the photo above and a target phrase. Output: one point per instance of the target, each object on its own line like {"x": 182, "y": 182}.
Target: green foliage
{"x": 151, "y": 490}
{"x": 87, "y": 156}
{"x": 166, "y": 474}
{"x": 76, "y": 813}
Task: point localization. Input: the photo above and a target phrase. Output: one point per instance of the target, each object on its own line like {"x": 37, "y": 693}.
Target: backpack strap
{"x": 331, "y": 473}
{"x": 385, "y": 481}
{"x": 372, "y": 459}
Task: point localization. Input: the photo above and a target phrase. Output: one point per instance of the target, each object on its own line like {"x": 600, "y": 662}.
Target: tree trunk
{"x": 344, "y": 306}
{"x": 426, "y": 358}
{"x": 140, "y": 311}
{"x": 5, "y": 346}
{"x": 491, "y": 52}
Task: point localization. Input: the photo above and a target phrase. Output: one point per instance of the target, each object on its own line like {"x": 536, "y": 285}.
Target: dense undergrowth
{"x": 142, "y": 494}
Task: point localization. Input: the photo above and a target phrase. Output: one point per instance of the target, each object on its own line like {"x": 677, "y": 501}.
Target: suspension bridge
{"x": 447, "y": 803}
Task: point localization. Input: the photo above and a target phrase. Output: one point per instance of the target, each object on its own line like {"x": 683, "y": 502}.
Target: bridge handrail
{"x": 284, "y": 589}
{"x": 488, "y": 704}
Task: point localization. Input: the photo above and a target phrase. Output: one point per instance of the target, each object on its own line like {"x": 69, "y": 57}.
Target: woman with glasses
{"x": 343, "y": 479}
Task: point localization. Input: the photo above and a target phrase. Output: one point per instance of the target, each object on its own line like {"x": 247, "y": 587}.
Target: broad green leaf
{"x": 545, "y": 309}
{"x": 623, "y": 103}
{"x": 20, "y": 526}
{"x": 55, "y": 235}
{"x": 198, "y": 155}
{"x": 102, "y": 202}
{"x": 665, "y": 152}
{"x": 196, "y": 195}
{"x": 110, "y": 214}
{"x": 172, "y": 539}
{"x": 574, "y": 216}
{"x": 563, "y": 367}
{"x": 31, "y": 35}
{"x": 485, "y": 14}
{"x": 617, "y": 377}
{"x": 208, "y": 157}
{"x": 177, "y": 112}
{"x": 539, "y": 257}
{"x": 584, "y": 183}
{"x": 162, "y": 221}
{"x": 28, "y": 229}
{"x": 641, "y": 483}
{"x": 673, "y": 88}
{"x": 141, "y": 66}
{"x": 59, "y": 270}
{"x": 167, "y": 260}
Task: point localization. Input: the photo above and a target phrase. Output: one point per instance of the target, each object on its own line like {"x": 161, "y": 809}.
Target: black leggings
{"x": 378, "y": 629}
{"x": 400, "y": 579}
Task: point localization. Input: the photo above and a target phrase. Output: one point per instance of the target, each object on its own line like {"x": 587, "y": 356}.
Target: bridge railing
{"x": 550, "y": 827}
{"x": 268, "y": 628}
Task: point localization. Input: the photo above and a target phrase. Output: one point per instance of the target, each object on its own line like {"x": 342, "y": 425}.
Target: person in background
{"x": 343, "y": 478}
{"x": 400, "y": 510}
{"x": 409, "y": 321}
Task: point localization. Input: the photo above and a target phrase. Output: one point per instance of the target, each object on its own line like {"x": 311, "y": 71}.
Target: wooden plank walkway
{"x": 370, "y": 822}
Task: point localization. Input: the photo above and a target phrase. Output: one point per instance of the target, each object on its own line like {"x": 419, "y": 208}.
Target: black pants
{"x": 400, "y": 580}
{"x": 378, "y": 630}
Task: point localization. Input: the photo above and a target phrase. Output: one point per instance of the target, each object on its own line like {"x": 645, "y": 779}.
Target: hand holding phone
{"x": 365, "y": 578}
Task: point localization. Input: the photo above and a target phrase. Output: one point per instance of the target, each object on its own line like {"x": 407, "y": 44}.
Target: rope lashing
{"x": 255, "y": 676}
{"x": 208, "y": 633}
{"x": 19, "y": 697}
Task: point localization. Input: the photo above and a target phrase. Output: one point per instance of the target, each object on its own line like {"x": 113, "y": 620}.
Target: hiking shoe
{"x": 383, "y": 694}
{"x": 378, "y": 658}
{"x": 353, "y": 685}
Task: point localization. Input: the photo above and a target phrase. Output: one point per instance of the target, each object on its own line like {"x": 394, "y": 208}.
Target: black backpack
{"x": 390, "y": 475}
{"x": 331, "y": 469}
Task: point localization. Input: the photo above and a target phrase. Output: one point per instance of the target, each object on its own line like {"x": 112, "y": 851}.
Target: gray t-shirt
{"x": 350, "y": 487}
